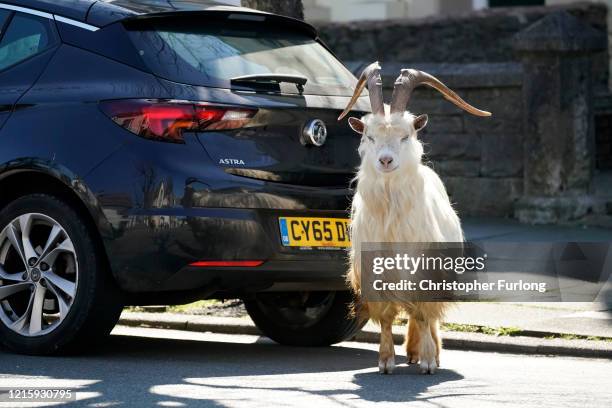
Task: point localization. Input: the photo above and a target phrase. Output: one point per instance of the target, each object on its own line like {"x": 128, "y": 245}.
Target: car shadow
{"x": 142, "y": 371}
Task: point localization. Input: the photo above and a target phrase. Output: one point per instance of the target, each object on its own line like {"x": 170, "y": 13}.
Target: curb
{"x": 369, "y": 334}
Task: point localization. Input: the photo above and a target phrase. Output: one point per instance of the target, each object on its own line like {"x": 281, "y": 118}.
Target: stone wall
{"x": 480, "y": 36}
{"x": 291, "y": 8}
{"x": 482, "y": 160}
{"x": 608, "y": 3}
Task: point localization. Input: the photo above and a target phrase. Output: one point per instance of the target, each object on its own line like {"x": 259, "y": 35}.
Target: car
{"x": 162, "y": 152}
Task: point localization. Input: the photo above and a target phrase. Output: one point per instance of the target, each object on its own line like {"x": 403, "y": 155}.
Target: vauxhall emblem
{"x": 314, "y": 133}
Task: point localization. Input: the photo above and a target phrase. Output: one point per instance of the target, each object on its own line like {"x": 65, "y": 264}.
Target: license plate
{"x": 314, "y": 232}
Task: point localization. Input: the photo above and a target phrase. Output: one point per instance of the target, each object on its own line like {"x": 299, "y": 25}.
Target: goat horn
{"x": 370, "y": 77}
{"x": 411, "y": 78}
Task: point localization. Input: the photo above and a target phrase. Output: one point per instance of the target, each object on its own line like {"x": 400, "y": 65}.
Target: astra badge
{"x": 233, "y": 162}
{"x": 314, "y": 133}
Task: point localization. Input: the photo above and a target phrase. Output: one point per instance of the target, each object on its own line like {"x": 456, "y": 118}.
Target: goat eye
{"x": 370, "y": 138}
{"x": 405, "y": 138}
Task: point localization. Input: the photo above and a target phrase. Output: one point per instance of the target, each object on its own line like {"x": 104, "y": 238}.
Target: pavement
{"x": 502, "y": 229}
{"x": 539, "y": 319}
{"x": 589, "y": 319}
{"x": 139, "y": 367}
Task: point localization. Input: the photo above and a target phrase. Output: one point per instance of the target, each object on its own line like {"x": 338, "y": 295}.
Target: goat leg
{"x": 386, "y": 358}
{"x": 427, "y": 347}
{"x": 412, "y": 341}
{"x": 435, "y": 334}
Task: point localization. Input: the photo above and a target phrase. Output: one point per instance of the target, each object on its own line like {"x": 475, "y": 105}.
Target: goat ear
{"x": 356, "y": 124}
{"x": 420, "y": 122}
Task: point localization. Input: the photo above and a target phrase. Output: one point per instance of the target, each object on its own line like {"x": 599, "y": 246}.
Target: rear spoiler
{"x": 213, "y": 13}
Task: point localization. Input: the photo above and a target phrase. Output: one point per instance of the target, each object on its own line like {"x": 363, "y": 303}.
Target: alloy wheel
{"x": 38, "y": 274}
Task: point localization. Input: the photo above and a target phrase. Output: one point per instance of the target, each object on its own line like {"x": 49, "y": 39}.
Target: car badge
{"x": 314, "y": 133}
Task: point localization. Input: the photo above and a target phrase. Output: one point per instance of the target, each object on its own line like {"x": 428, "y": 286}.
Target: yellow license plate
{"x": 314, "y": 232}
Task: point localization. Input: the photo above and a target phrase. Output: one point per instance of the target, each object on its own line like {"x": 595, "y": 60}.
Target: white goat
{"x": 398, "y": 199}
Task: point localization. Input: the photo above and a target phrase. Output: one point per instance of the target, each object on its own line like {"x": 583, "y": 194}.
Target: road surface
{"x": 163, "y": 368}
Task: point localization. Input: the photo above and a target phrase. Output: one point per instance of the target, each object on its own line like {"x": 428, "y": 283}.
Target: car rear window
{"x": 211, "y": 53}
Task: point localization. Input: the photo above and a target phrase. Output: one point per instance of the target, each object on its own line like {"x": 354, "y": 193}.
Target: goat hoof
{"x": 428, "y": 367}
{"x": 412, "y": 359}
{"x": 386, "y": 366}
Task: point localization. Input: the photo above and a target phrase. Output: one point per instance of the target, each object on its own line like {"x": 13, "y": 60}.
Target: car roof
{"x": 158, "y": 6}
{"x": 75, "y": 9}
{"x": 104, "y": 12}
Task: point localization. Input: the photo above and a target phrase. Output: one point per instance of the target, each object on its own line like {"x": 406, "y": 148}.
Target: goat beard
{"x": 381, "y": 198}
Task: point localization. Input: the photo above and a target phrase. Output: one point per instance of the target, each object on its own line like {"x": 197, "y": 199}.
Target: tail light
{"x": 166, "y": 121}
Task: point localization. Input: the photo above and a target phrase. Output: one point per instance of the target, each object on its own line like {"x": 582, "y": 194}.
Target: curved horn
{"x": 411, "y": 78}
{"x": 370, "y": 77}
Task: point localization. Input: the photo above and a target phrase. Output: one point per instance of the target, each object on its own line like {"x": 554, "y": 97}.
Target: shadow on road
{"x": 139, "y": 371}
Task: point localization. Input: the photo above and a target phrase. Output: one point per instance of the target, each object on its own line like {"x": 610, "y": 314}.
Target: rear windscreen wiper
{"x": 271, "y": 79}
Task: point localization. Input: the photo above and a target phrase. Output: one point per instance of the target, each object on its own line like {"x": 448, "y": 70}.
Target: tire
{"x": 81, "y": 302}
{"x": 308, "y": 319}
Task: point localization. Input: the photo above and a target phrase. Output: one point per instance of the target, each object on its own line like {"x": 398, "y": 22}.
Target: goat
{"x": 399, "y": 199}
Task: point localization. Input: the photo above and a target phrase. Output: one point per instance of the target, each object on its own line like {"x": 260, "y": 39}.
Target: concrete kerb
{"x": 452, "y": 340}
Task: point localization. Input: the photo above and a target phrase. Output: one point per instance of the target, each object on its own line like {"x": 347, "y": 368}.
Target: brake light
{"x": 167, "y": 121}
{"x": 226, "y": 263}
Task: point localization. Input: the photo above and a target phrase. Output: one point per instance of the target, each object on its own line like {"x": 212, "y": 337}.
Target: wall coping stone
{"x": 560, "y": 32}
{"x": 455, "y": 75}
{"x": 520, "y": 12}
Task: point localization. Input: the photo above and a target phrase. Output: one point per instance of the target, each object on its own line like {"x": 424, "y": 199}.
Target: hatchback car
{"x": 161, "y": 152}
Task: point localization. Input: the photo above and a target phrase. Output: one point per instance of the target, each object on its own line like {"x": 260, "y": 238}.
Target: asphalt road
{"x": 150, "y": 367}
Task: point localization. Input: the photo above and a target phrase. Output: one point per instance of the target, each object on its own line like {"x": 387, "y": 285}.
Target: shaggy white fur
{"x": 399, "y": 199}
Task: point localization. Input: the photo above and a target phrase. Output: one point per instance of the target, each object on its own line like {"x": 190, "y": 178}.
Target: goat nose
{"x": 386, "y": 160}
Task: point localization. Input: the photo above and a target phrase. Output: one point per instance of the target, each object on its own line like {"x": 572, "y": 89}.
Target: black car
{"x": 160, "y": 152}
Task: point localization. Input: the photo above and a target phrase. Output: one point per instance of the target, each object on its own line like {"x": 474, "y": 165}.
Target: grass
{"x": 200, "y": 304}
{"x": 472, "y": 328}
{"x": 508, "y": 331}
{"x": 514, "y": 331}
{"x": 577, "y": 337}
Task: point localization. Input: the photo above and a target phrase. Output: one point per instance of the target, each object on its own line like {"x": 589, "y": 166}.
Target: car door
{"x": 26, "y": 45}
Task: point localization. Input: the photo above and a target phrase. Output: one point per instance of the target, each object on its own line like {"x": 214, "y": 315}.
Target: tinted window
{"x": 212, "y": 53}
{"x": 25, "y": 36}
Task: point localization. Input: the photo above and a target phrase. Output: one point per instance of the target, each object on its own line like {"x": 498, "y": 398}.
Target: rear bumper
{"x": 152, "y": 250}
{"x": 275, "y": 275}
